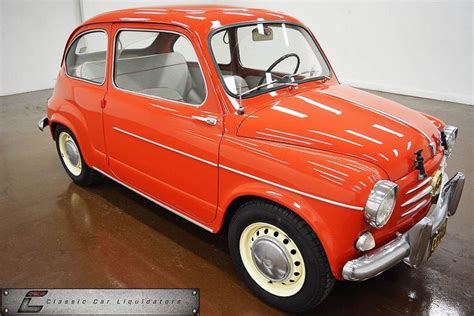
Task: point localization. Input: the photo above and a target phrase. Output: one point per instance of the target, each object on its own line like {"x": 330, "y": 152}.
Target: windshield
{"x": 262, "y": 57}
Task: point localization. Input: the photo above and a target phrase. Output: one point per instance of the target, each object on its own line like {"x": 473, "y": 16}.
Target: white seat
{"x": 92, "y": 70}
{"x": 138, "y": 74}
{"x": 163, "y": 93}
{"x": 161, "y": 75}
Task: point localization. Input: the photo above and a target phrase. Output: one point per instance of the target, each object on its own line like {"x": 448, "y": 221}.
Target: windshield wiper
{"x": 291, "y": 76}
{"x": 240, "y": 111}
{"x": 263, "y": 85}
{"x": 280, "y": 80}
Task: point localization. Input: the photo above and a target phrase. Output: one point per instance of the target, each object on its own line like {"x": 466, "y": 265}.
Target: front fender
{"x": 326, "y": 190}
{"x": 436, "y": 121}
{"x": 335, "y": 227}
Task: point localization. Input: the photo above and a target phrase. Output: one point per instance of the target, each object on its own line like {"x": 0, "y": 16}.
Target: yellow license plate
{"x": 437, "y": 237}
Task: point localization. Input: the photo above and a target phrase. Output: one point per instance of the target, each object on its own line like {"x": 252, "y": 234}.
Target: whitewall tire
{"x": 279, "y": 256}
{"x": 272, "y": 259}
{"x": 69, "y": 152}
{"x": 71, "y": 157}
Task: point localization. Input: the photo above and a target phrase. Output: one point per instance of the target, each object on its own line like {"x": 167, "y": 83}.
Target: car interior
{"x": 156, "y": 70}
{"x": 164, "y": 64}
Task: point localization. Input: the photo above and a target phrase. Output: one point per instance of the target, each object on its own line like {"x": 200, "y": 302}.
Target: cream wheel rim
{"x": 272, "y": 259}
{"x": 70, "y": 153}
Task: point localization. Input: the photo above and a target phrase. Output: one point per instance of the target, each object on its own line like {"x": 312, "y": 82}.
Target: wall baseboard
{"x": 16, "y": 92}
{"x": 450, "y": 97}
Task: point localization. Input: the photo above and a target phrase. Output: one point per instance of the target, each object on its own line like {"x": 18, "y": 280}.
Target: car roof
{"x": 192, "y": 17}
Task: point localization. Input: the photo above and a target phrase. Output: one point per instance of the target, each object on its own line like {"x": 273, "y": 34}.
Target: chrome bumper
{"x": 43, "y": 122}
{"x": 410, "y": 247}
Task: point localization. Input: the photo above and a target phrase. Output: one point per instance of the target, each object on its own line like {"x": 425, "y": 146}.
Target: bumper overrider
{"x": 413, "y": 246}
{"x": 43, "y": 122}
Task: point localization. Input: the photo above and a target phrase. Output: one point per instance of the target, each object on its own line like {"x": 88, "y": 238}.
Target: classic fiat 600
{"x": 233, "y": 119}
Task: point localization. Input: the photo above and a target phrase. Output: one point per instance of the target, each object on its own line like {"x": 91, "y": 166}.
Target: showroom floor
{"x": 56, "y": 234}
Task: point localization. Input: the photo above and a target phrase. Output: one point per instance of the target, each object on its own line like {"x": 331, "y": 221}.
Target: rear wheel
{"x": 279, "y": 256}
{"x": 71, "y": 158}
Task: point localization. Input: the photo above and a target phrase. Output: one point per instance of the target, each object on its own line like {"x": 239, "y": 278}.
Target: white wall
{"x": 94, "y": 7}
{"x": 33, "y": 35}
{"x": 420, "y": 48}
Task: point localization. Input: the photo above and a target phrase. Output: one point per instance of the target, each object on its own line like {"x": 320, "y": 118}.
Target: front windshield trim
{"x": 241, "y": 24}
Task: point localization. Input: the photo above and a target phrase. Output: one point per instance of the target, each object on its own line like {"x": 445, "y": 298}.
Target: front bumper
{"x": 412, "y": 246}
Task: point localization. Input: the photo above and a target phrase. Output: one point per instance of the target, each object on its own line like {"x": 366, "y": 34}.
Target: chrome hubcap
{"x": 72, "y": 152}
{"x": 271, "y": 259}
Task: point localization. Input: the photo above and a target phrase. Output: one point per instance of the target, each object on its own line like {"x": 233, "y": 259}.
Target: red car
{"x": 233, "y": 119}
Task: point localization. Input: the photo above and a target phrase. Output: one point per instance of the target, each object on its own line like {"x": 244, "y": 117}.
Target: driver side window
{"x": 158, "y": 64}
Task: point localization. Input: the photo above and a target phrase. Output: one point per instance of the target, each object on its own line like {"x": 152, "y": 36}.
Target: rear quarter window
{"x": 86, "y": 57}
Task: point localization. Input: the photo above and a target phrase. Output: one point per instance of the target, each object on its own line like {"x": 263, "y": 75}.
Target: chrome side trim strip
{"x": 352, "y": 207}
{"x": 155, "y": 201}
{"x": 416, "y": 208}
{"x": 419, "y": 196}
{"x": 165, "y": 147}
{"x": 400, "y": 120}
{"x": 421, "y": 184}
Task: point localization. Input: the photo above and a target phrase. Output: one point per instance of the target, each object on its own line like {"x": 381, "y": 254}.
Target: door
{"x": 162, "y": 122}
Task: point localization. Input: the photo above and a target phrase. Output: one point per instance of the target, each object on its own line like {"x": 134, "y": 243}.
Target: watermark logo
{"x": 25, "y": 306}
{"x": 99, "y": 301}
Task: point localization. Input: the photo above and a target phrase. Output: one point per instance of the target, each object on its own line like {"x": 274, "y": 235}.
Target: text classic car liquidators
{"x": 313, "y": 180}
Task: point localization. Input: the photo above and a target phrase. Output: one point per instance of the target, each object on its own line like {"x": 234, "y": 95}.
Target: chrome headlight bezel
{"x": 377, "y": 213}
{"x": 448, "y": 138}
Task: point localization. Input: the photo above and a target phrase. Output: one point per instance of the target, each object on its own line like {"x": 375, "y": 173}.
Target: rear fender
{"x": 71, "y": 118}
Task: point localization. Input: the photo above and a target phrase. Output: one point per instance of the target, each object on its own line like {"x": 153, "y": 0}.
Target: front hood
{"x": 347, "y": 121}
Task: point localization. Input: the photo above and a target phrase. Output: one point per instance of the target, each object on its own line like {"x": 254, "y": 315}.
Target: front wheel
{"x": 279, "y": 256}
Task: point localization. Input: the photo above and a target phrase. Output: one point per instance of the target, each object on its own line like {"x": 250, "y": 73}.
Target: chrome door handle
{"x": 208, "y": 120}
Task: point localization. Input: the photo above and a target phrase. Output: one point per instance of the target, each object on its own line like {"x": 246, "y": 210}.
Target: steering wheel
{"x": 278, "y": 61}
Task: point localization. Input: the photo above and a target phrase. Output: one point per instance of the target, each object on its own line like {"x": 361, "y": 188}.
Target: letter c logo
{"x": 25, "y": 306}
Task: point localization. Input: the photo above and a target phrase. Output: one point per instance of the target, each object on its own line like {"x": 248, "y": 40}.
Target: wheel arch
{"x": 295, "y": 204}
{"x": 241, "y": 189}
{"x": 78, "y": 131}
{"x": 308, "y": 214}
{"x": 234, "y": 206}
{"x": 336, "y": 227}
{"x": 52, "y": 127}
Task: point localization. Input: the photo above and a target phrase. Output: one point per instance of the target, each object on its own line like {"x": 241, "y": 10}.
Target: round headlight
{"x": 381, "y": 202}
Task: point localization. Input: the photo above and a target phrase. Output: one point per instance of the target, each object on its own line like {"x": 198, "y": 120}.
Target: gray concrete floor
{"x": 56, "y": 234}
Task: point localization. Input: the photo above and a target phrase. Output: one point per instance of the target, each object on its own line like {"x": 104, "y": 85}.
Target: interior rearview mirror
{"x": 262, "y": 33}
